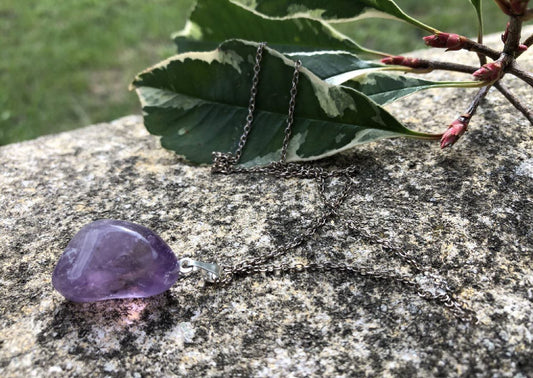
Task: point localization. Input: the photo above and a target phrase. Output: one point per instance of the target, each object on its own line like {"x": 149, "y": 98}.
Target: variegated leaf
{"x": 335, "y": 67}
{"x": 384, "y": 88}
{"x": 198, "y": 103}
{"x": 214, "y": 21}
{"x": 338, "y": 10}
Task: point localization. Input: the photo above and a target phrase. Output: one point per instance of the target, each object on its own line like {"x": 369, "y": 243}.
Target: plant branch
{"x": 513, "y": 38}
{"x": 521, "y": 74}
{"x": 480, "y": 95}
{"x": 416, "y": 65}
{"x": 529, "y": 41}
{"x": 480, "y": 49}
{"x": 448, "y": 66}
{"x": 514, "y": 100}
{"x": 510, "y": 50}
{"x": 458, "y": 127}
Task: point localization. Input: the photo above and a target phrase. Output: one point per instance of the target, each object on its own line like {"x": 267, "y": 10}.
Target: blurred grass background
{"x": 67, "y": 64}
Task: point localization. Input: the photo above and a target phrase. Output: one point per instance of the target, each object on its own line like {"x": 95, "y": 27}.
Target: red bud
{"x": 404, "y": 61}
{"x": 447, "y": 40}
{"x": 521, "y": 48}
{"x": 489, "y": 72}
{"x": 454, "y": 132}
{"x": 505, "y": 35}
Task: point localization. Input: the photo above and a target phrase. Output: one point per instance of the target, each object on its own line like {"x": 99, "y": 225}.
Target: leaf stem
{"x": 417, "y": 23}
{"x": 374, "y": 52}
{"x": 464, "y": 84}
{"x": 482, "y": 58}
{"x": 514, "y": 100}
{"x": 480, "y": 31}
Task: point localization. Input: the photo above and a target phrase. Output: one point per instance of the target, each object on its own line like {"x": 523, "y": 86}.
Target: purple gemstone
{"x": 110, "y": 259}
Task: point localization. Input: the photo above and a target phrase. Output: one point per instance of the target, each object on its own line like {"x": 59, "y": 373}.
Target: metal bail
{"x": 212, "y": 270}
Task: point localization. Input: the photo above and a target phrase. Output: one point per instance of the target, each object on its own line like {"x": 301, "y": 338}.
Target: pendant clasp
{"x": 213, "y": 271}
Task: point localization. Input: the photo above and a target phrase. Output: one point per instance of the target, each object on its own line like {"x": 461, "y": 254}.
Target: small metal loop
{"x": 212, "y": 270}
{"x": 185, "y": 266}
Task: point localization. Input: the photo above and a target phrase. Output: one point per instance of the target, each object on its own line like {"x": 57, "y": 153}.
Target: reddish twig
{"x": 447, "y": 66}
{"x": 514, "y": 100}
{"x": 529, "y": 41}
{"x": 488, "y": 74}
{"x": 511, "y": 50}
{"x": 481, "y": 49}
{"x": 521, "y": 74}
{"x": 480, "y": 95}
{"x": 425, "y": 65}
{"x": 458, "y": 127}
{"x": 512, "y": 41}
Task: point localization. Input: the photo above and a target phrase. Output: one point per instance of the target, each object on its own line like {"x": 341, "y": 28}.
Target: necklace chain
{"x": 226, "y": 163}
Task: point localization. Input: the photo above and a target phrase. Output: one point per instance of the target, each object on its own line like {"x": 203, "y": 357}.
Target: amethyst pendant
{"x": 110, "y": 259}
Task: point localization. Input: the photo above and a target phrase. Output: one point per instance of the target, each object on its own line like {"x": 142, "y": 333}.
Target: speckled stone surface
{"x": 465, "y": 212}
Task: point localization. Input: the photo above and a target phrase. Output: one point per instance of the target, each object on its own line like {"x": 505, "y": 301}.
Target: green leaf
{"x": 335, "y": 67}
{"x": 342, "y": 10}
{"x": 198, "y": 102}
{"x": 368, "y": 77}
{"x": 334, "y": 10}
{"x": 384, "y": 88}
{"x": 478, "y": 6}
{"x": 214, "y": 21}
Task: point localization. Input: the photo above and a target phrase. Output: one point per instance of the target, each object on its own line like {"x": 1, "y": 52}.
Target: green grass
{"x": 66, "y": 64}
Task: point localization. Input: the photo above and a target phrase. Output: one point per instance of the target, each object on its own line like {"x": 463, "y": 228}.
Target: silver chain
{"x": 251, "y": 104}
{"x": 227, "y": 163}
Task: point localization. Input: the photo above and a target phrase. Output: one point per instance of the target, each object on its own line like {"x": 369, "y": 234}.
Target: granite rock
{"x": 464, "y": 214}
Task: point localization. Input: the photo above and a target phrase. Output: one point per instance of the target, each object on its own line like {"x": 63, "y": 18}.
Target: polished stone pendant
{"x": 110, "y": 259}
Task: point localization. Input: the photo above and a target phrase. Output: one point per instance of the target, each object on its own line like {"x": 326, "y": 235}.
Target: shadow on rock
{"x": 86, "y": 322}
